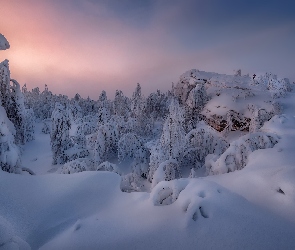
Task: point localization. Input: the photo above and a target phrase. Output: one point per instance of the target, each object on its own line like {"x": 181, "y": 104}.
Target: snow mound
{"x": 236, "y": 156}
{"x": 8, "y": 239}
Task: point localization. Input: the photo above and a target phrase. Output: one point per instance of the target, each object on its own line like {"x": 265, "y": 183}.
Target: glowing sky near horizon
{"x": 86, "y": 46}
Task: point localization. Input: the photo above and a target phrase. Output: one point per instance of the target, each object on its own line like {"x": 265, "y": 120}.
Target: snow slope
{"x": 37, "y": 154}
{"x": 88, "y": 211}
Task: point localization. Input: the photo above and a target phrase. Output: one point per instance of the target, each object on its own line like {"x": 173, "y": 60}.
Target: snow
{"x": 251, "y": 207}
{"x": 88, "y": 211}
{"x": 37, "y": 154}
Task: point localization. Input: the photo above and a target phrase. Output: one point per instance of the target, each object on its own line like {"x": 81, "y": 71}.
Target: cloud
{"x": 88, "y": 46}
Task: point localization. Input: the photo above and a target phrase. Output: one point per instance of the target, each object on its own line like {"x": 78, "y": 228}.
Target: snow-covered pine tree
{"x": 59, "y": 136}
{"x": 106, "y": 143}
{"x": 142, "y": 124}
{"x": 22, "y": 118}
{"x": 196, "y": 101}
{"x": 121, "y": 106}
{"x": 172, "y": 142}
{"x": 157, "y": 105}
{"x": 9, "y": 152}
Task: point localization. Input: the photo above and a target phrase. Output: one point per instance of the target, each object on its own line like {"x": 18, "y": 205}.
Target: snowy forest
{"x": 214, "y": 152}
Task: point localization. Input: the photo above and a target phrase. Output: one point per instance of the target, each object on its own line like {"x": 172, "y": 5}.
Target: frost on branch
{"x": 236, "y": 156}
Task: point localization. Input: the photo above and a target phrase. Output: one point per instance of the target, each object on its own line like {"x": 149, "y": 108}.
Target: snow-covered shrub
{"x": 107, "y": 166}
{"x": 60, "y": 140}
{"x": 200, "y": 142}
{"x": 131, "y": 182}
{"x": 277, "y": 87}
{"x": 259, "y": 117}
{"x": 236, "y": 156}
{"x": 76, "y": 166}
{"x": 167, "y": 171}
{"x": 9, "y": 152}
{"x": 167, "y": 192}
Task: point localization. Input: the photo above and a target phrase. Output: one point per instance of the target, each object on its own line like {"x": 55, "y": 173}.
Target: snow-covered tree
{"x": 277, "y": 87}
{"x": 259, "y": 117}
{"x": 60, "y": 140}
{"x": 128, "y": 146}
{"x": 200, "y": 142}
{"x": 172, "y": 142}
{"x": 77, "y": 166}
{"x": 106, "y": 143}
{"x": 172, "y": 139}
{"x": 157, "y": 105}
{"x": 121, "y": 105}
{"x": 167, "y": 171}
{"x": 22, "y": 118}
{"x": 9, "y": 152}
{"x": 196, "y": 101}
{"x": 236, "y": 156}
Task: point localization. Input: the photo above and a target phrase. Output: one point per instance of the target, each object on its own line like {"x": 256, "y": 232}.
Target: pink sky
{"x": 89, "y": 49}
